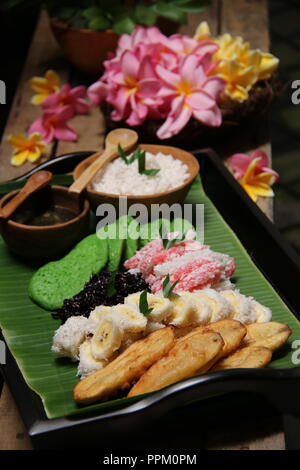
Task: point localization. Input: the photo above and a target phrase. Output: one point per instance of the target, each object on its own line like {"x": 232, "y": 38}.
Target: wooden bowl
{"x": 46, "y": 242}
{"x": 176, "y": 195}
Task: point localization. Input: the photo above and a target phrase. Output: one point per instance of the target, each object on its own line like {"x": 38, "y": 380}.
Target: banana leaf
{"x": 28, "y": 329}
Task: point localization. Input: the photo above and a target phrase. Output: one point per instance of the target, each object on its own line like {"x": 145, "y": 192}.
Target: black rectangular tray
{"x": 238, "y": 387}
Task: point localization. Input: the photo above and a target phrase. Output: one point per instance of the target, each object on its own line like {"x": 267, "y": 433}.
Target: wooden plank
{"x": 211, "y": 15}
{"x": 43, "y": 54}
{"x": 249, "y": 19}
{"x": 90, "y": 129}
{"x": 248, "y": 437}
{"x": 13, "y": 434}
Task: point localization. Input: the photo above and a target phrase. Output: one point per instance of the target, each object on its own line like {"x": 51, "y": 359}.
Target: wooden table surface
{"x": 239, "y": 17}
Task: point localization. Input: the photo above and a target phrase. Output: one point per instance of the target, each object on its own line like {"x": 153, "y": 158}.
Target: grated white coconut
{"x": 241, "y": 306}
{"x": 262, "y": 313}
{"x": 87, "y": 363}
{"x": 69, "y": 336}
{"x": 119, "y": 178}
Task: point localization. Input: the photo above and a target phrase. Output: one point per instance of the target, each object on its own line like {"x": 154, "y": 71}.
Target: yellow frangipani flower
{"x": 202, "y": 31}
{"x": 237, "y": 64}
{"x": 44, "y": 86}
{"x": 29, "y": 148}
{"x": 257, "y": 184}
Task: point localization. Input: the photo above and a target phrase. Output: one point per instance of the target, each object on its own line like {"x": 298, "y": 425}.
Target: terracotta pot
{"x": 84, "y": 48}
{"x": 44, "y": 243}
{"x": 87, "y": 49}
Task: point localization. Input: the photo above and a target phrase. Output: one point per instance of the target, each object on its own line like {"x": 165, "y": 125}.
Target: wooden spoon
{"x": 125, "y": 137}
{"x": 36, "y": 182}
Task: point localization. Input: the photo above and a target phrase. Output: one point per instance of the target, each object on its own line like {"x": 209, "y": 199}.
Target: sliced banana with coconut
{"x": 107, "y": 338}
{"x": 262, "y": 314}
{"x": 241, "y": 306}
{"x": 87, "y": 363}
{"x": 129, "y": 318}
{"x": 98, "y": 312}
{"x": 162, "y": 307}
{"x": 182, "y": 311}
{"x": 220, "y": 307}
{"x": 202, "y": 309}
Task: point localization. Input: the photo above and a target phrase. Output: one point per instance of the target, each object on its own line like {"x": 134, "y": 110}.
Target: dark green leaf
{"x": 152, "y": 172}
{"x": 117, "y": 11}
{"x": 167, "y": 287}
{"x": 167, "y": 10}
{"x": 142, "y": 162}
{"x": 193, "y": 6}
{"x": 91, "y": 13}
{"x": 99, "y": 24}
{"x": 143, "y": 304}
{"x": 66, "y": 13}
{"x": 173, "y": 242}
{"x": 135, "y": 155}
{"x": 145, "y": 14}
{"x": 123, "y": 24}
{"x": 128, "y": 160}
{"x": 122, "y": 154}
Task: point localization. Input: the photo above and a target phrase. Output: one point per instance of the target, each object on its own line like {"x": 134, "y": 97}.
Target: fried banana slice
{"x": 191, "y": 355}
{"x": 183, "y": 331}
{"x": 253, "y": 357}
{"x": 126, "y": 368}
{"x": 232, "y": 332}
{"x": 271, "y": 335}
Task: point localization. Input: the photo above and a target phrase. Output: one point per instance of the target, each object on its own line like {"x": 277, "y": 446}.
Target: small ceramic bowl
{"x": 32, "y": 242}
{"x": 176, "y": 195}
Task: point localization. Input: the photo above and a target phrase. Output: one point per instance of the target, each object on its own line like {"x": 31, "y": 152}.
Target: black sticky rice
{"x": 95, "y": 293}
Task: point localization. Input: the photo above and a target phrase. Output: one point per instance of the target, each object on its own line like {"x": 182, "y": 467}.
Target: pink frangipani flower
{"x": 98, "y": 92}
{"x": 53, "y": 124}
{"x": 239, "y": 163}
{"x": 73, "y": 97}
{"x": 185, "y": 45}
{"x": 149, "y": 36}
{"x": 193, "y": 94}
{"x": 136, "y": 84}
{"x": 253, "y": 173}
{"x": 153, "y": 76}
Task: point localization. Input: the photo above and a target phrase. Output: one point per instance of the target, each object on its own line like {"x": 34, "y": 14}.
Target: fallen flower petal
{"x": 252, "y": 174}
{"x": 29, "y": 148}
{"x": 73, "y": 97}
{"x": 53, "y": 124}
{"x": 44, "y": 86}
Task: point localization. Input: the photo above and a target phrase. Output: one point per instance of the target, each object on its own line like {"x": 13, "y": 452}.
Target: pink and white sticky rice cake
{"x": 192, "y": 264}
